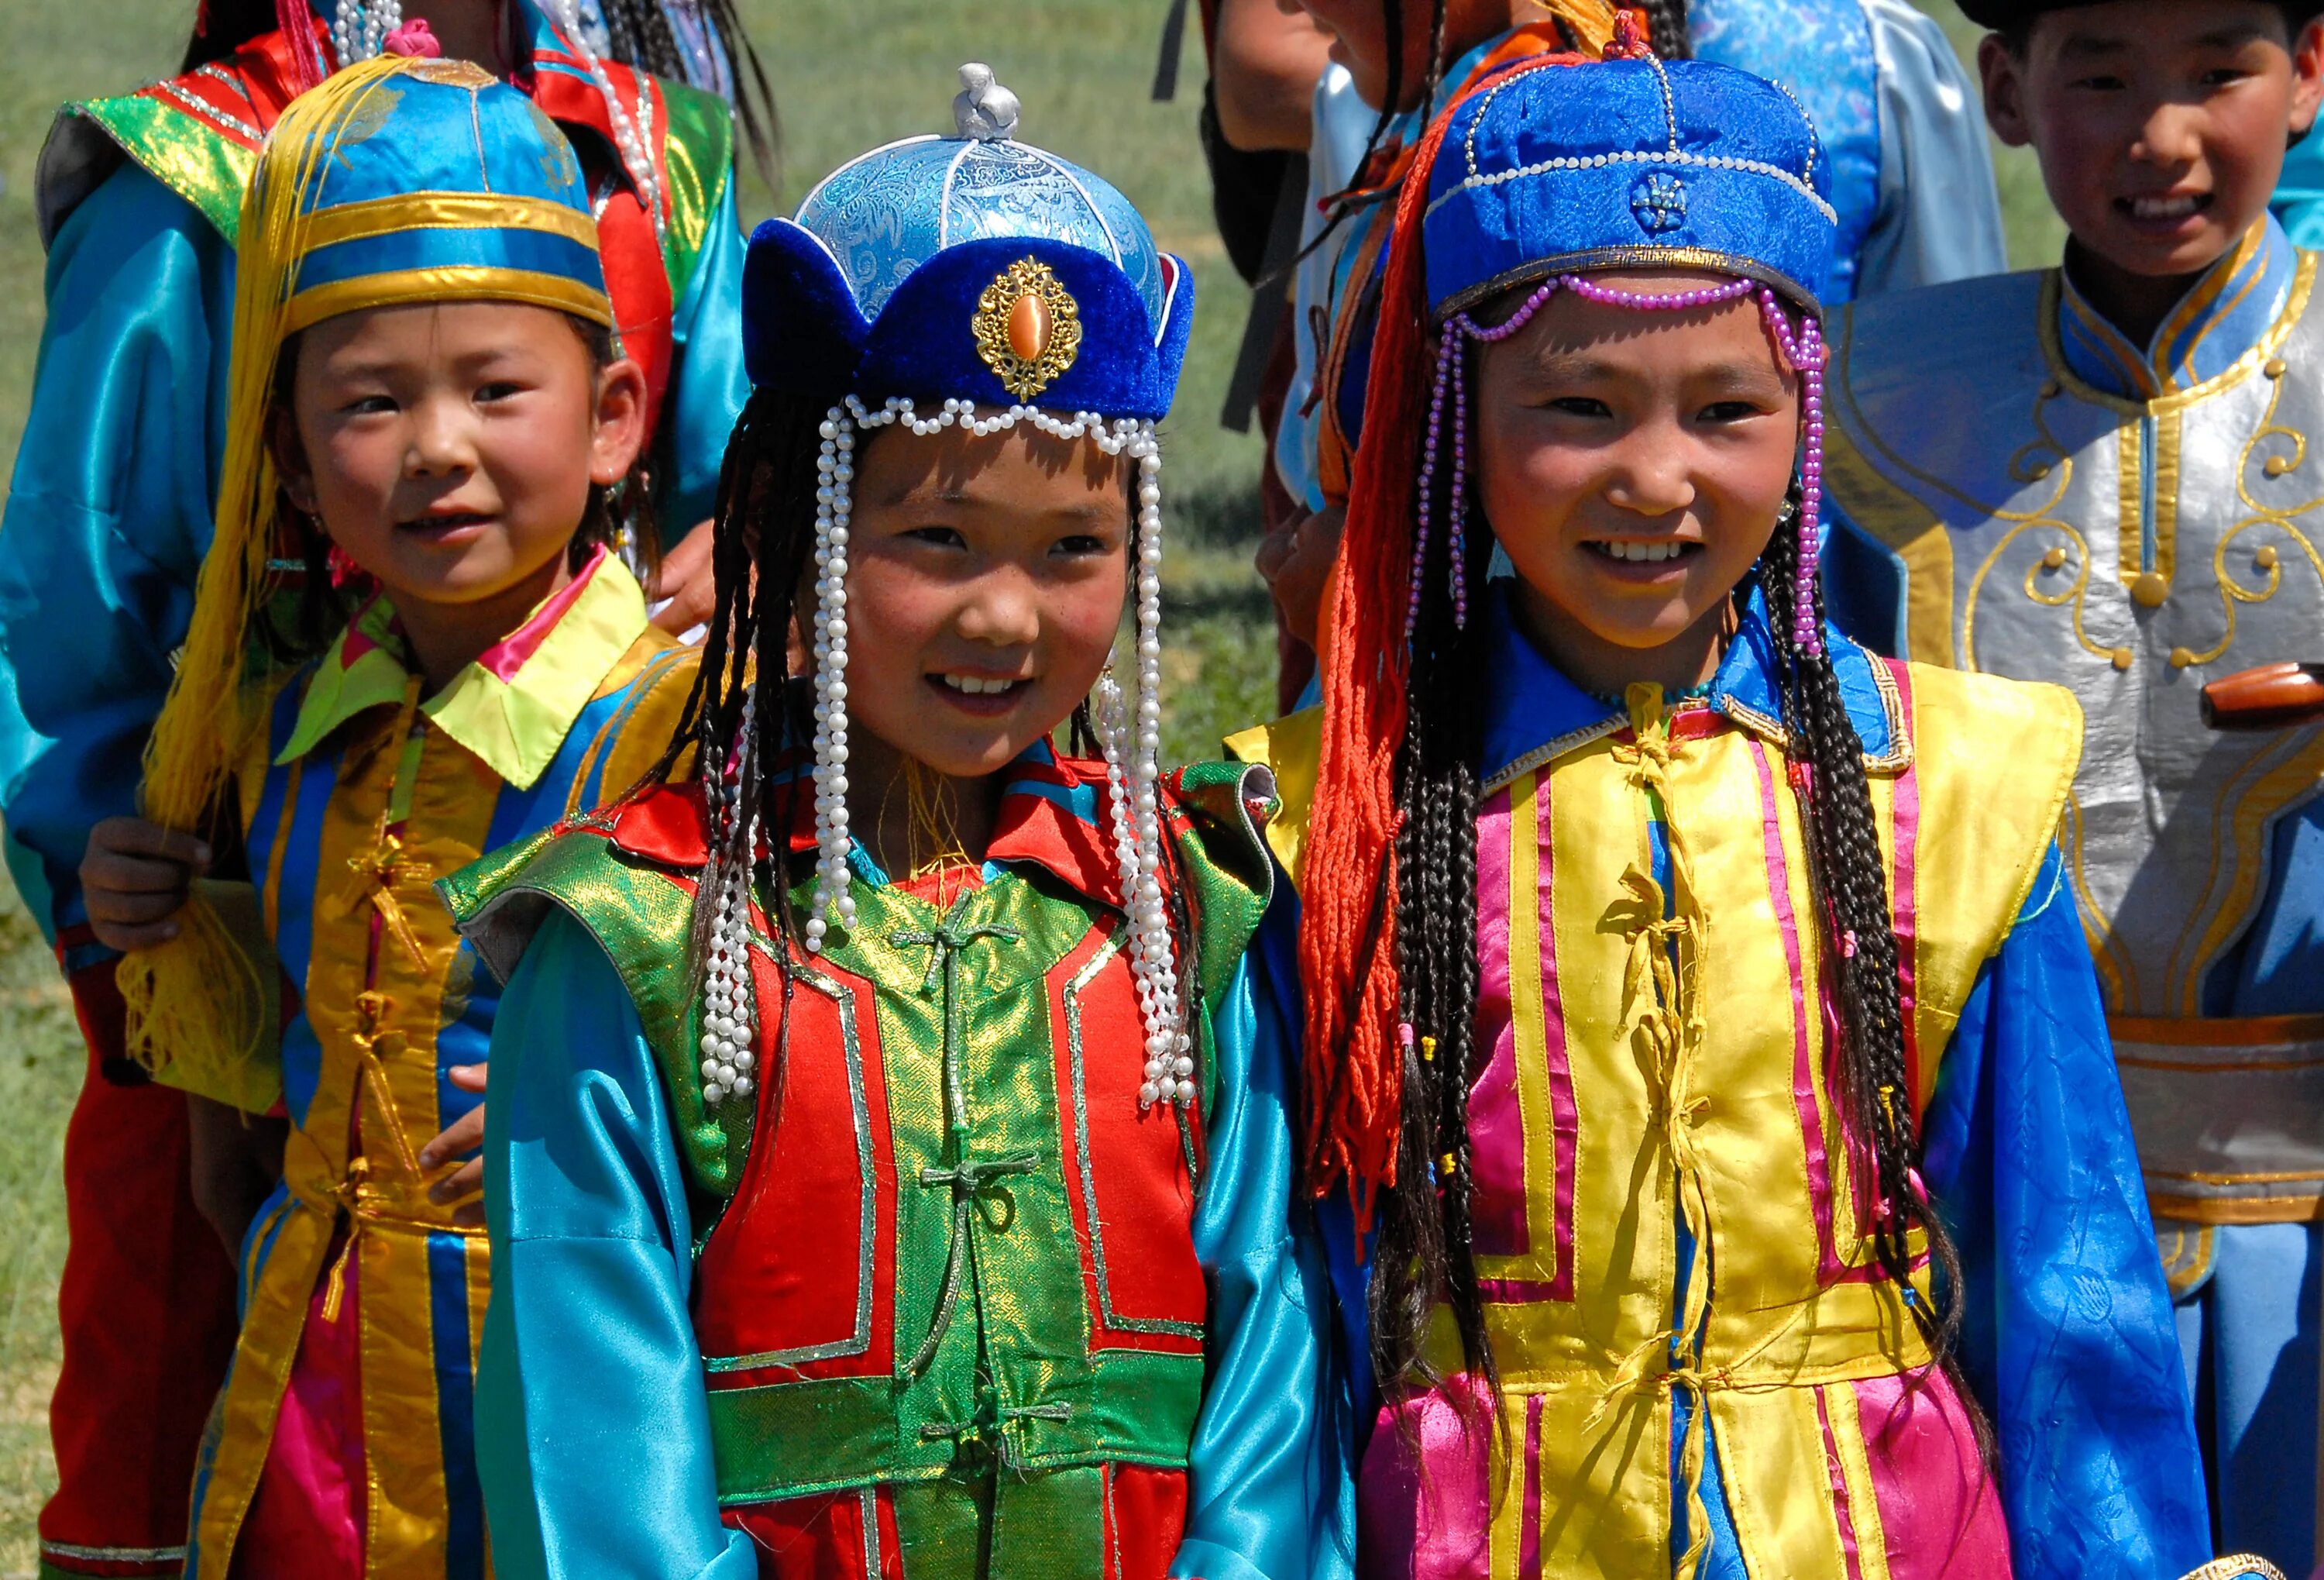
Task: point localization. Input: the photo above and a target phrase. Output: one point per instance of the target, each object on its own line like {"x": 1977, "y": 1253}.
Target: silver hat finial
{"x": 982, "y": 108}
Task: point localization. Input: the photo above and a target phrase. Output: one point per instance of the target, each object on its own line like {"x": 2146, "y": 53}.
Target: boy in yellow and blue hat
{"x": 426, "y": 390}
{"x": 108, "y": 514}
{"x": 2099, "y": 475}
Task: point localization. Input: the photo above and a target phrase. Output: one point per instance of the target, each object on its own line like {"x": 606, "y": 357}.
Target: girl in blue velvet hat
{"x": 889, "y": 1169}
{"x": 1695, "y": 1014}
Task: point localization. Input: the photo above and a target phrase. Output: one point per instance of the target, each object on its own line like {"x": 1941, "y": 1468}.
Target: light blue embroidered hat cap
{"x": 907, "y": 272}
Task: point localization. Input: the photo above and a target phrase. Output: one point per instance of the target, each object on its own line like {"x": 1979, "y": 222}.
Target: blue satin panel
{"x": 589, "y": 1353}
{"x": 1271, "y": 1483}
{"x": 2299, "y": 200}
{"x": 589, "y": 1359}
{"x": 108, "y": 516}
{"x": 1900, "y": 120}
{"x": 707, "y": 385}
{"x": 2069, "y": 1341}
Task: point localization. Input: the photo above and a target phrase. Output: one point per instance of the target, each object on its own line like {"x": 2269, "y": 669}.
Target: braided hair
{"x": 638, "y": 34}
{"x": 1667, "y": 26}
{"x": 1423, "y": 1254}
{"x": 763, "y": 547}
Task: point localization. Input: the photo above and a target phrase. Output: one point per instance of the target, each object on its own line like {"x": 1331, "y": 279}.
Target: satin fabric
{"x": 2069, "y": 1344}
{"x": 2247, "y": 1311}
{"x": 592, "y": 1235}
{"x": 108, "y": 511}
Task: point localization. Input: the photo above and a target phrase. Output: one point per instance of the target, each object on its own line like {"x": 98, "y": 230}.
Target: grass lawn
{"x": 1083, "y": 69}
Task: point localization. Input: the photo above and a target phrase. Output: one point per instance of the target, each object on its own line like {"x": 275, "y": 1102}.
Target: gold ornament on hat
{"x": 1029, "y": 329}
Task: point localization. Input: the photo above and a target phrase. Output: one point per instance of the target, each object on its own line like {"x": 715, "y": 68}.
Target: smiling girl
{"x": 1693, "y": 1009}
{"x": 888, "y": 1166}
{"x": 409, "y": 645}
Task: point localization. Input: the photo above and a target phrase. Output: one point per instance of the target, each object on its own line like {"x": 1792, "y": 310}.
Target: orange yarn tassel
{"x": 1355, "y": 1087}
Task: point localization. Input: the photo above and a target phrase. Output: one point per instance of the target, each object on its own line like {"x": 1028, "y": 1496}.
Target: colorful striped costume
{"x": 1651, "y": 984}
{"x": 355, "y": 1288}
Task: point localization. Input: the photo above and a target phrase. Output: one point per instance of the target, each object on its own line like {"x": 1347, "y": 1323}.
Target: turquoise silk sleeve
{"x": 2069, "y": 1339}
{"x": 593, "y": 1431}
{"x": 108, "y": 517}
{"x": 709, "y": 384}
{"x": 1270, "y": 1493}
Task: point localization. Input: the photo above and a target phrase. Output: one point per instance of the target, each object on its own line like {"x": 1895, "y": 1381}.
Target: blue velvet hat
{"x": 971, "y": 267}
{"x": 1629, "y": 164}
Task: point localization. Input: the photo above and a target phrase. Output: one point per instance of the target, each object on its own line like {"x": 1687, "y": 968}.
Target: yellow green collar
{"x": 512, "y": 706}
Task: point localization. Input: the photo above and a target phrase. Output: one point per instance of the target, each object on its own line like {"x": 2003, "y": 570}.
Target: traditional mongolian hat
{"x": 399, "y": 181}
{"x": 1534, "y": 183}
{"x": 978, "y": 282}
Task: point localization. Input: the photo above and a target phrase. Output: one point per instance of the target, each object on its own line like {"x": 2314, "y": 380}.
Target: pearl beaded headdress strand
{"x": 1131, "y": 735}
{"x": 1802, "y": 348}
{"x": 359, "y": 31}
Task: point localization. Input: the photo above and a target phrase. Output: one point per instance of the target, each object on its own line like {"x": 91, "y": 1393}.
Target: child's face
{"x": 2160, "y": 125}
{"x": 999, "y": 563}
{"x": 1632, "y": 462}
{"x": 449, "y": 448}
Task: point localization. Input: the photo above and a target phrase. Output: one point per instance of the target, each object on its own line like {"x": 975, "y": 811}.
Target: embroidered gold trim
{"x": 1028, "y": 350}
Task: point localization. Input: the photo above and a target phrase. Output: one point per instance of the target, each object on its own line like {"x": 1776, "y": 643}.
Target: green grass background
{"x": 849, "y": 76}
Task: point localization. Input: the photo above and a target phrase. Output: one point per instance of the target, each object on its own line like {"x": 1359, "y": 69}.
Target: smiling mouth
{"x": 2168, "y": 208}
{"x": 1632, "y": 552}
{"x": 437, "y": 526}
{"x": 984, "y": 695}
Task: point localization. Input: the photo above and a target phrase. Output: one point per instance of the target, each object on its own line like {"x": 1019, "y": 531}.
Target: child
{"x": 1691, "y": 1009}
{"x": 108, "y": 514}
{"x": 2098, "y": 475}
{"x": 888, "y": 1170}
{"x": 1912, "y": 184}
{"x": 424, "y": 364}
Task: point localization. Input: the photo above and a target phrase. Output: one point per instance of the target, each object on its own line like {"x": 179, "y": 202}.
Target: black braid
{"x": 1666, "y": 22}
{"x": 1425, "y": 1253}
{"x": 638, "y": 32}
{"x": 1849, "y": 876}
{"x": 764, "y": 522}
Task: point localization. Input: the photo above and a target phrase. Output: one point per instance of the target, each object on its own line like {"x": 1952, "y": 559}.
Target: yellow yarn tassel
{"x": 202, "y": 999}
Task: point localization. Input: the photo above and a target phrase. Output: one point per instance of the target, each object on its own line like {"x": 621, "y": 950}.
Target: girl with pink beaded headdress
{"x": 1697, "y": 1035}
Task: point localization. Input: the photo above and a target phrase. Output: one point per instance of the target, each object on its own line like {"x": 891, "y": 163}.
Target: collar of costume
{"x": 1535, "y": 715}
{"x": 515, "y": 703}
{"x": 2224, "y": 314}
{"x": 974, "y": 268}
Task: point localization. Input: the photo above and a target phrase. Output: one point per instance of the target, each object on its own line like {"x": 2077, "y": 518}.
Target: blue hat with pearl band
{"x": 974, "y": 268}
{"x": 1637, "y": 164}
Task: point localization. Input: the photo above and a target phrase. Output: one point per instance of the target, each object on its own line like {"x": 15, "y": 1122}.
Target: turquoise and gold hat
{"x": 439, "y": 182}
{"x": 397, "y": 182}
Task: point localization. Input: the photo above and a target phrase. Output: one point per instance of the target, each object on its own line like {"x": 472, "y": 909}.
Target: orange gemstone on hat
{"x": 1028, "y": 327}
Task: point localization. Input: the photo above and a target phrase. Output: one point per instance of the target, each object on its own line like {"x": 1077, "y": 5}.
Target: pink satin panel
{"x": 1438, "y": 1527}
{"x": 1496, "y": 1130}
{"x": 306, "y": 1520}
{"x": 1940, "y": 1512}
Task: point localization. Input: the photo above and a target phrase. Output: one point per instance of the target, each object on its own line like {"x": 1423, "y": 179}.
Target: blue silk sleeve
{"x": 593, "y": 1427}
{"x": 108, "y": 517}
{"x": 1939, "y": 216}
{"x": 708, "y": 383}
{"x": 1270, "y": 1493}
{"x": 2299, "y": 200}
{"x": 2069, "y": 1340}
